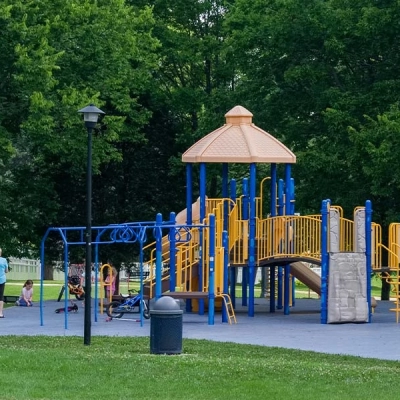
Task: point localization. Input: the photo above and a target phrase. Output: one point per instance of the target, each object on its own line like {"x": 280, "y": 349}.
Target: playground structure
{"x": 205, "y": 244}
{"x": 249, "y": 237}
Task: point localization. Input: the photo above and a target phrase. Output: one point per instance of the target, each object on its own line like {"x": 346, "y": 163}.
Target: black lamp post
{"x": 90, "y": 116}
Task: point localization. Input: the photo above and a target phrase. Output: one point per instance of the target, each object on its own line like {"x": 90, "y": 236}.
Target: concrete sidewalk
{"x": 299, "y": 330}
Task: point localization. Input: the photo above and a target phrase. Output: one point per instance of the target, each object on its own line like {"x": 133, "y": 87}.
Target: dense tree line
{"x": 321, "y": 76}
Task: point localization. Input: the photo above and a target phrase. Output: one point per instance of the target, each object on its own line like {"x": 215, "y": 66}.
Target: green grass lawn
{"x": 302, "y": 291}
{"x": 52, "y": 289}
{"x": 122, "y": 368}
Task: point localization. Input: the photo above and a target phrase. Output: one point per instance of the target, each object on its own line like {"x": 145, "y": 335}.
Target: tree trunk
{"x": 264, "y": 282}
{"x": 48, "y": 272}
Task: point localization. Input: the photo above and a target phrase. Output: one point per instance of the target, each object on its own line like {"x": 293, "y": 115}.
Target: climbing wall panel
{"x": 347, "y": 295}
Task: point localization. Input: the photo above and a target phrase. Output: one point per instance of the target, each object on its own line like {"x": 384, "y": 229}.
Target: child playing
{"x": 26, "y": 295}
{"x": 110, "y": 282}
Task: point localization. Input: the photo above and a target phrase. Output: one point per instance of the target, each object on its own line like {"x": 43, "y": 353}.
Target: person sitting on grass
{"x": 26, "y": 295}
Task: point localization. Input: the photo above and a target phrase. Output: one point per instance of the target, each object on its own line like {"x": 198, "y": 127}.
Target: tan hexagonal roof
{"x": 239, "y": 141}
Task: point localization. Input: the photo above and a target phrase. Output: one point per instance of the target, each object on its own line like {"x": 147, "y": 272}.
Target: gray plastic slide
{"x": 307, "y": 276}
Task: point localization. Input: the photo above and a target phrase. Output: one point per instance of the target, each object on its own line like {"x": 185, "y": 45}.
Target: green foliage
{"x": 313, "y": 70}
{"x": 321, "y": 76}
{"x": 62, "y": 56}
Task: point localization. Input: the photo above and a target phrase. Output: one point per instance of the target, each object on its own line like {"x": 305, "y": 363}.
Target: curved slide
{"x": 307, "y": 276}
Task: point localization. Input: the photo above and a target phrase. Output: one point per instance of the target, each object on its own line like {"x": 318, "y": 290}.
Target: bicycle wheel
{"x": 60, "y": 295}
{"x": 80, "y": 296}
{"x": 112, "y": 308}
{"x": 146, "y": 311}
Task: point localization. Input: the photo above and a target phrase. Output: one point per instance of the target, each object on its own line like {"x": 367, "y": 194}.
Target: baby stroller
{"x": 74, "y": 286}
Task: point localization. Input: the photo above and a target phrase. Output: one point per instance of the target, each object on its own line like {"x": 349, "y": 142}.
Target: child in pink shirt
{"x": 110, "y": 282}
{"x": 26, "y": 295}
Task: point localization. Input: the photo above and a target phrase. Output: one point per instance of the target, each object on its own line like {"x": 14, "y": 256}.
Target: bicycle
{"x": 130, "y": 305}
{"x": 74, "y": 287}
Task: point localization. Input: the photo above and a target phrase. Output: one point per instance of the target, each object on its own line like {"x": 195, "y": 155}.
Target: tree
{"x": 312, "y": 70}
{"x": 62, "y": 56}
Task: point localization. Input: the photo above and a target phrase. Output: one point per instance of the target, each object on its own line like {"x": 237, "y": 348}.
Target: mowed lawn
{"x": 42, "y": 367}
{"x": 122, "y": 368}
{"x": 52, "y": 289}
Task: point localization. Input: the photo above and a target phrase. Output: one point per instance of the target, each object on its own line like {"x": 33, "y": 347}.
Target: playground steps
{"x": 394, "y": 281}
{"x": 149, "y": 292}
{"x": 397, "y": 311}
{"x": 392, "y": 276}
{"x": 230, "y": 312}
{"x": 185, "y": 279}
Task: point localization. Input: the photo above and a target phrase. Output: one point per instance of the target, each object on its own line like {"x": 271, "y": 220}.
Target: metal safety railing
{"x": 192, "y": 255}
{"x": 276, "y": 237}
{"x": 288, "y": 236}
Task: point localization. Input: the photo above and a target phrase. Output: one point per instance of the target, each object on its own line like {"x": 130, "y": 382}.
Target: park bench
{"x": 10, "y": 299}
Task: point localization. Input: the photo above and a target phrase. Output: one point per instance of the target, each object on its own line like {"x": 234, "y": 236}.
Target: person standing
{"x": 110, "y": 282}
{"x": 3, "y": 279}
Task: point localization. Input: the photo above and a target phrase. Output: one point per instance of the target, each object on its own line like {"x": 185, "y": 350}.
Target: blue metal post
{"x": 280, "y": 197}
{"x": 211, "y": 286}
{"x": 293, "y": 280}
{"x": 232, "y": 290}
{"x": 292, "y": 203}
{"x": 158, "y": 235}
{"x": 225, "y": 240}
{"x": 273, "y": 209}
{"x": 273, "y": 191}
{"x": 272, "y": 271}
{"x": 286, "y": 290}
{"x": 291, "y": 191}
{"x": 368, "y": 252}
{"x": 245, "y": 217}
{"x": 252, "y": 238}
{"x": 189, "y": 194}
{"x": 279, "y": 305}
{"x": 287, "y": 189}
{"x": 280, "y": 270}
{"x": 232, "y": 286}
{"x": 141, "y": 280}
{"x": 225, "y": 193}
{"x": 225, "y": 243}
{"x": 288, "y": 209}
{"x": 203, "y": 184}
{"x": 41, "y": 278}
{"x": 233, "y": 190}
{"x": 324, "y": 262}
{"x": 172, "y": 253}
{"x": 66, "y": 291}
{"x": 189, "y": 216}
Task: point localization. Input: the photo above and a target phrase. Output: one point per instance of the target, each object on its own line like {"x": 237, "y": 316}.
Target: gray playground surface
{"x": 299, "y": 330}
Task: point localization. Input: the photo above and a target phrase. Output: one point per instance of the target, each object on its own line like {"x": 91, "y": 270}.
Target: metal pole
{"x": 324, "y": 261}
{"x": 368, "y": 253}
{"x": 88, "y": 261}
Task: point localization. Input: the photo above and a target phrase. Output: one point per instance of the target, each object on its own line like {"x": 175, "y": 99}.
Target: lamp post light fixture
{"x": 90, "y": 116}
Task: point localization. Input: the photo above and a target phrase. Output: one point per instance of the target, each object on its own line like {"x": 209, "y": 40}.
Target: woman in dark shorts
{"x": 3, "y": 271}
